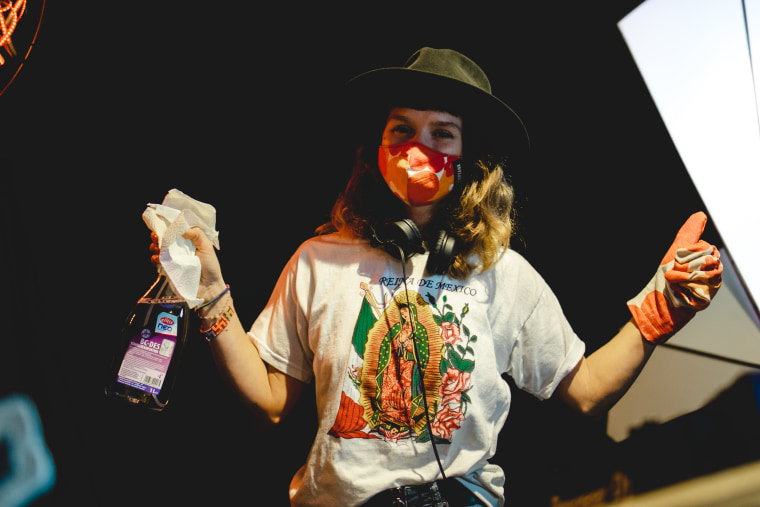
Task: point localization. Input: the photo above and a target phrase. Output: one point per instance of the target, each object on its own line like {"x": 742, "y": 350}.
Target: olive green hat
{"x": 444, "y": 79}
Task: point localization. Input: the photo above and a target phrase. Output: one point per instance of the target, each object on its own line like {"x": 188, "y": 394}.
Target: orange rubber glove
{"x": 686, "y": 281}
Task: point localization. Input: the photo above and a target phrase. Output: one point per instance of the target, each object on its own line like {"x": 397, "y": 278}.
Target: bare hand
{"x": 212, "y": 282}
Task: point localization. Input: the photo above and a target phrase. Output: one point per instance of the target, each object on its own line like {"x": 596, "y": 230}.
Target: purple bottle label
{"x": 148, "y": 356}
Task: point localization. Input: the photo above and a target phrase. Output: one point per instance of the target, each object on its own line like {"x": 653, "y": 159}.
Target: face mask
{"x": 416, "y": 174}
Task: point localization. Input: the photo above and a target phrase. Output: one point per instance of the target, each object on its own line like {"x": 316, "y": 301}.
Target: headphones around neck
{"x": 403, "y": 238}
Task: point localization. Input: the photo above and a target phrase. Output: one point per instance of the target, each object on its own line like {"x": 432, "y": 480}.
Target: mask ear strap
{"x": 458, "y": 172}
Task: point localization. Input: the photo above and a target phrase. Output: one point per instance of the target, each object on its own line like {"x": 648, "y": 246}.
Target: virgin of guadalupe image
{"x": 394, "y": 373}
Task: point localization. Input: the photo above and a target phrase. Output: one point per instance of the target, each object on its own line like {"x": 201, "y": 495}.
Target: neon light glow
{"x": 10, "y": 14}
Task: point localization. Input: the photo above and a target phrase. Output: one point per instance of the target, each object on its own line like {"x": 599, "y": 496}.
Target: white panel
{"x": 695, "y": 59}
{"x": 752, "y": 10}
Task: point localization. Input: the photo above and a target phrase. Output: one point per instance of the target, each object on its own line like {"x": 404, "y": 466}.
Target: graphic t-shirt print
{"x": 390, "y": 381}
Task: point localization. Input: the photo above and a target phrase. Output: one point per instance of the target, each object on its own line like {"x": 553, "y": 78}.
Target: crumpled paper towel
{"x": 170, "y": 220}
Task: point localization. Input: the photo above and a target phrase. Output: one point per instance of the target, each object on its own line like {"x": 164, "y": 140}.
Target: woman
{"x": 411, "y": 296}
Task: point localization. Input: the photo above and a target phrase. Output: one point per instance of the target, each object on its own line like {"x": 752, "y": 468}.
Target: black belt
{"x": 446, "y": 493}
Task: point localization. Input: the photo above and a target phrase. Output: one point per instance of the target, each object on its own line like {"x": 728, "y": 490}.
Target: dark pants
{"x": 446, "y": 493}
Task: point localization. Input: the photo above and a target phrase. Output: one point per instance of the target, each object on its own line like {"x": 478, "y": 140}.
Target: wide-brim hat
{"x": 444, "y": 79}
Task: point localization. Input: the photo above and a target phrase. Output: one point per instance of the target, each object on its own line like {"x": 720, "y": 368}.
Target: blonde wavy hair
{"x": 479, "y": 214}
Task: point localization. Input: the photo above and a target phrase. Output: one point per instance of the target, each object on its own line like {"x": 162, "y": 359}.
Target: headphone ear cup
{"x": 443, "y": 254}
{"x": 407, "y": 235}
{"x": 402, "y": 234}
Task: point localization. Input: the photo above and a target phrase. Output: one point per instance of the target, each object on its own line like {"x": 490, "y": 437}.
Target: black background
{"x": 234, "y": 104}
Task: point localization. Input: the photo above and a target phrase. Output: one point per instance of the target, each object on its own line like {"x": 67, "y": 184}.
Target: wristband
{"x": 210, "y": 301}
{"x": 220, "y": 324}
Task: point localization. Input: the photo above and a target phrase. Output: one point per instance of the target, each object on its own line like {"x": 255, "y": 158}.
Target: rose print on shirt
{"x": 383, "y": 392}
{"x": 456, "y": 368}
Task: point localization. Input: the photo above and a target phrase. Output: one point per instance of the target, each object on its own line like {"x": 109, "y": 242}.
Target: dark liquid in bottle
{"x": 147, "y": 360}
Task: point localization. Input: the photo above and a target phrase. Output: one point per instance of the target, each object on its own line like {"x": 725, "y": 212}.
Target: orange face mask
{"x": 416, "y": 174}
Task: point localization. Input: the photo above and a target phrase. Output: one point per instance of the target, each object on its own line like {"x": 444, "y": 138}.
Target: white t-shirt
{"x": 338, "y": 316}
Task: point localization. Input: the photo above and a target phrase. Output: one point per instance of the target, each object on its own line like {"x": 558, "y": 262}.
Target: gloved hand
{"x": 686, "y": 281}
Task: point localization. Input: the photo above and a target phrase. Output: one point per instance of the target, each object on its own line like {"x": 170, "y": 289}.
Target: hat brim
{"x": 501, "y": 130}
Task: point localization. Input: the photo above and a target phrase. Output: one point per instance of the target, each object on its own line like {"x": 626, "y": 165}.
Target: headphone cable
{"x": 419, "y": 365}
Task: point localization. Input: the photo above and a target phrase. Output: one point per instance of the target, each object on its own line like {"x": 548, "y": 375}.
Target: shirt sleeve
{"x": 541, "y": 347}
{"x": 280, "y": 331}
{"x": 546, "y": 349}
